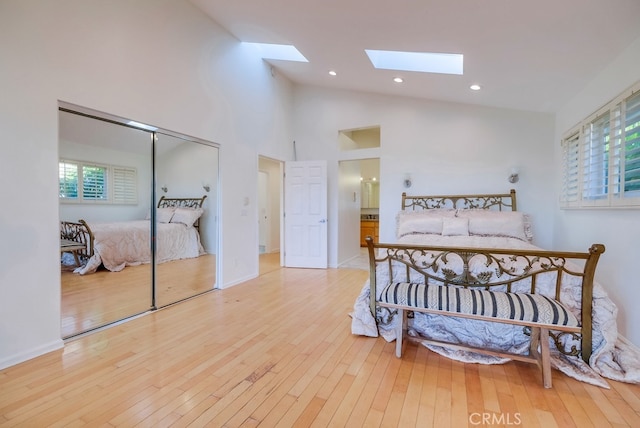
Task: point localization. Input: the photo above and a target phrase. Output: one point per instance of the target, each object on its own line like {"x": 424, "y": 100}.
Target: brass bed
{"x": 423, "y": 257}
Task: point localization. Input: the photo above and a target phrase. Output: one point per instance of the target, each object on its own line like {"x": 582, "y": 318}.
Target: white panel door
{"x": 305, "y": 214}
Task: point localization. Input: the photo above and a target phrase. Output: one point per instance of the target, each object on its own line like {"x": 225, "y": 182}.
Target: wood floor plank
{"x": 459, "y": 406}
{"x": 362, "y": 408}
{"x": 278, "y": 351}
{"x": 426, "y": 410}
{"x": 357, "y": 388}
{"x": 395, "y": 402}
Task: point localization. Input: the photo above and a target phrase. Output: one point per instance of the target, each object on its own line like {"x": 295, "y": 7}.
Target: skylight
{"x": 282, "y": 52}
{"x": 424, "y": 62}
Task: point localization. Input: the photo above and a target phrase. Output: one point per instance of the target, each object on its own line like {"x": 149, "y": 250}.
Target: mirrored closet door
{"x": 186, "y": 216}
{"x": 105, "y": 178}
{"x": 138, "y": 219}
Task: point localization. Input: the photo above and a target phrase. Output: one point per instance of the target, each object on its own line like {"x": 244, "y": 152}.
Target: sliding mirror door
{"x": 186, "y": 176}
{"x": 105, "y": 178}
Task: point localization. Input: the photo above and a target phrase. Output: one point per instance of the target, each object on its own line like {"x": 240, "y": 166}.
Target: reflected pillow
{"x": 187, "y": 216}
{"x": 164, "y": 215}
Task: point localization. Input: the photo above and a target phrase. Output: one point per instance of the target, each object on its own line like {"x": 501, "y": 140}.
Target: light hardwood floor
{"x": 278, "y": 351}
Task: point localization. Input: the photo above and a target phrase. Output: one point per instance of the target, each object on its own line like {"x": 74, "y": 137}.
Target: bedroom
{"x": 88, "y": 71}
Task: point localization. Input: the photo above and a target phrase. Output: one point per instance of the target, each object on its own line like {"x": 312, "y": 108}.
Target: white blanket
{"x": 611, "y": 358}
{"x": 121, "y": 244}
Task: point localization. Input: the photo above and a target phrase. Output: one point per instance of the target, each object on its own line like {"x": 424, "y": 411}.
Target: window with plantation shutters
{"x": 626, "y": 147}
{"x": 601, "y": 157}
{"x": 68, "y": 180}
{"x": 82, "y": 182}
{"x": 94, "y": 183}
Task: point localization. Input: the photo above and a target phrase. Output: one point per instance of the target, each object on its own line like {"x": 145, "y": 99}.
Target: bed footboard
{"x": 425, "y": 279}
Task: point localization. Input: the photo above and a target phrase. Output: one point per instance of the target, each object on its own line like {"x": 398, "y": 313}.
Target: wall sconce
{"x": 164, "y": 188}
{"x": 206, "y": 187}
{"x": 407, "y": 181}
{"x": 514, "y": 176}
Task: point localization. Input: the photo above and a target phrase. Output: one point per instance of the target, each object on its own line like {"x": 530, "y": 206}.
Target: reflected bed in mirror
{"x": 116, "y": 245}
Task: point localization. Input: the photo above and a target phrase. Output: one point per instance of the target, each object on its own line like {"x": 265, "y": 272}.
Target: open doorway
{"x": 359, "y": 183}
{"x": 269, "y": 213}
{"x": 359, "y": 193}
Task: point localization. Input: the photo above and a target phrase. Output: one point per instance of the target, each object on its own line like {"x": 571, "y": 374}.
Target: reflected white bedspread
{"x": 611, "y": 358}
{"x": 121, "y": 244}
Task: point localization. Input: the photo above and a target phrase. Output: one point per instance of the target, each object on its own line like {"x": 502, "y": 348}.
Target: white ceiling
{"x": 529, "y": 55}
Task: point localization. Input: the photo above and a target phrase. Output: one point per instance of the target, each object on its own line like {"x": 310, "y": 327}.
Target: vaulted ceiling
{"x": 529, "y": 55}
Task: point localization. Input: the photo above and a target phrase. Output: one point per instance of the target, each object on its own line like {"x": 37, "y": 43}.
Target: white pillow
{"x": 421, "y": 221}
{"x": 163, "y": 215}
{"x": 423, "y": 224}
{"x": 455, "y": 226}
{"x": 495, "y": 223}
{"x": 186, "y": 216}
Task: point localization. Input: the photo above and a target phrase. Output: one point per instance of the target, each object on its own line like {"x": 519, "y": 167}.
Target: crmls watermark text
{"x": 489, "y": 418}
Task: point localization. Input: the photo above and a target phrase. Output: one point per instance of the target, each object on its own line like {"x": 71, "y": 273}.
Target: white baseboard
{"x": 238, "y": 281}
{"x": 31, "y": 353}
{"x": 349, "y": 260}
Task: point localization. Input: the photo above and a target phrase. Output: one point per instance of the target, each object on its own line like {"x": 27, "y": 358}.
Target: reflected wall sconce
{"x": 407, "y": 181}
{"x": 514, "y": 176}
{"x": 164, "y": 188}
{"x": 206, "y": 187}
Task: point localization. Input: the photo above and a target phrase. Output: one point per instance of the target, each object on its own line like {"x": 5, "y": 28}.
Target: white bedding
{"x": 120, "y": 244}
{"x": 611, "y": 358}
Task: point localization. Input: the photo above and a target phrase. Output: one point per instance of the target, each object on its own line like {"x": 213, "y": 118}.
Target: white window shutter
{"x": 94, "y": 182}
{"x": 595, "y": 161}
{"x": 632, "y": 146}
{"x": 67, "y": 180}
{"x": 571, "y": 171}
{"x": 125, "y": 189}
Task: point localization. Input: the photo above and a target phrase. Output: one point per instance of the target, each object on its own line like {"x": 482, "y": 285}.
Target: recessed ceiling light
{"x": 398, "y": 79}
{"x": 273, "y": 51}
{"x": 475, "y": 87}
{"x": 424, "y": 62}
{"x": 333, "y": 73}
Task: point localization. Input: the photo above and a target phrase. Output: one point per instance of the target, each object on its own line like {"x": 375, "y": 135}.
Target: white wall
{"x": 159, "y": 62}
{"x": 448, "y": 148}
{"x": 617, "y": 229}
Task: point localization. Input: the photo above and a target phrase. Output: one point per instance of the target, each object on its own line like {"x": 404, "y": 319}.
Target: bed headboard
{"x": 165, "y": 202}
{"x": 499, "y": 202}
